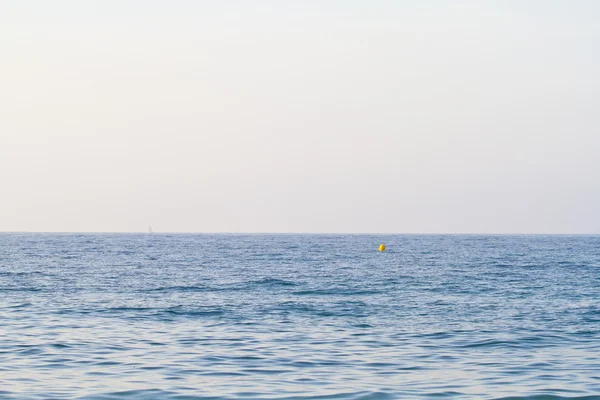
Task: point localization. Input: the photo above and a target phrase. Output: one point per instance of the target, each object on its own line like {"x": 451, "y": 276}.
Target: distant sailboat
{"x": 150, "y": 229}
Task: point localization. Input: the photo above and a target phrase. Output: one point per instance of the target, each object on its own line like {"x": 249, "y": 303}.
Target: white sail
{"x": 150, "y": 229}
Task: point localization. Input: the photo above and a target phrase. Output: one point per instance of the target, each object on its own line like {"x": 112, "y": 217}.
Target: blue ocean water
{"x": 176, "y": 316}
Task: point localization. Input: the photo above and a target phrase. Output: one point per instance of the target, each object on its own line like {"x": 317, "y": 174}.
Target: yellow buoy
{"x": 382, "y": 247}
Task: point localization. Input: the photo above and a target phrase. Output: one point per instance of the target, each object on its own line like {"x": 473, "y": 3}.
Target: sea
{"x": 285, "y": 316}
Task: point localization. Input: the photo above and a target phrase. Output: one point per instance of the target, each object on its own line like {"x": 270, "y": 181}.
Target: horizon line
{"x": 308, "y": 233}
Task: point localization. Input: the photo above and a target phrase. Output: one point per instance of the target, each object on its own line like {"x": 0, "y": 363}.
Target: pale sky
{"x": 300, "y": 116}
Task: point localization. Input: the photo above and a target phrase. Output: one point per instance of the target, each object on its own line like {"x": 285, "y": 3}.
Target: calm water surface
{"x": 298, "y": 316}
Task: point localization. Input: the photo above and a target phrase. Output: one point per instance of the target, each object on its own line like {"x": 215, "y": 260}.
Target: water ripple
{"x": 299, "y": 317}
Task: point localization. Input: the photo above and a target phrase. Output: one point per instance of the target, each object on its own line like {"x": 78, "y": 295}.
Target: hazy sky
{"x": 300, "y": 116}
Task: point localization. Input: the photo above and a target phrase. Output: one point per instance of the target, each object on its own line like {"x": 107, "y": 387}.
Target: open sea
{"x": 191, "y": 316}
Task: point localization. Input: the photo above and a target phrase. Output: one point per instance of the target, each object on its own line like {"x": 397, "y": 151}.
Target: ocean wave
{"x": 336, "y": 292}
{"x": 272, "y": 282}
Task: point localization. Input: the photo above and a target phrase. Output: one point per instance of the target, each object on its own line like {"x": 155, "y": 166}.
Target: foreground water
{"x": 298, "y": 316}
